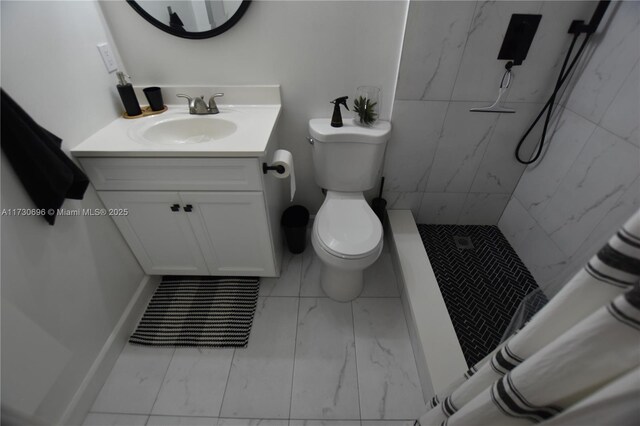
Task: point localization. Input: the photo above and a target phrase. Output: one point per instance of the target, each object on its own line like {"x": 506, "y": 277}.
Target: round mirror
{"x": 191, "y": 18}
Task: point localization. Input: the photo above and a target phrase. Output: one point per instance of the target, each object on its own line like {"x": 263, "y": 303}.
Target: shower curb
{"x": 438, "y": 354}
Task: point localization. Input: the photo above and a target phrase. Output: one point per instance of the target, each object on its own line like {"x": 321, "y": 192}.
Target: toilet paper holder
{"x": 279, "y": 169}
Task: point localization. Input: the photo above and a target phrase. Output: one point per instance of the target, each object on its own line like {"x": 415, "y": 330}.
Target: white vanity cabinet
{"x": 190, "y": 216}
{"x": 158, "y": 231}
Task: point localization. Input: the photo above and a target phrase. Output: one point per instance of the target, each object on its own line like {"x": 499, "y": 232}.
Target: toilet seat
{"x": 346, "y": 227}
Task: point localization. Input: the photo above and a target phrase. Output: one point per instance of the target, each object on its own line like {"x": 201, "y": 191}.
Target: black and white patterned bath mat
{"x": 482, "y": 281}
{"x": 199, "y": 311}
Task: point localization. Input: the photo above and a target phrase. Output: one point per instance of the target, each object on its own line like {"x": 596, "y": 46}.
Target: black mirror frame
{"x": 192, "y": 35}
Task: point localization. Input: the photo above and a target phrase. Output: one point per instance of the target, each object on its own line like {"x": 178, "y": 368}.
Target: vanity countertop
{"x": 252, "y": 127}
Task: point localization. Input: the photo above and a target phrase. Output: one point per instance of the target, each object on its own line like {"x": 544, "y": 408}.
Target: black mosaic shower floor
{"x": 482, "y": 285}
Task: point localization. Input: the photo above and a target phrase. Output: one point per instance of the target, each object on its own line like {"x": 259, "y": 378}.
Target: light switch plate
{"x": 107, "y": 57}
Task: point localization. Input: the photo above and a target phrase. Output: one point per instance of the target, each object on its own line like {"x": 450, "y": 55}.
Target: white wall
{"x": 316, "y": 50}
{"x": 449, "y": 165}
{"x": 568, "y": 205}
{"x": 63, "y": 287}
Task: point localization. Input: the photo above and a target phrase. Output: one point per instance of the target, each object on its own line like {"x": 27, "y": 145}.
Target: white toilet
{"x": 347, "y": 235}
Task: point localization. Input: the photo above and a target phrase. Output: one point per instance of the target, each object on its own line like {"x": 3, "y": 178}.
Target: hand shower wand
{"x": 577, "y": 28}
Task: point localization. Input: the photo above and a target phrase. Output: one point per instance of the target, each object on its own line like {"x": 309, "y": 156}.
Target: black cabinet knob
{"x": 188, "y": 208}
{"x": 175, "y": 208}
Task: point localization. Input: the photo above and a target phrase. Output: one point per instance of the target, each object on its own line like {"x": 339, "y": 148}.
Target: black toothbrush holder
{"x": 154, "y": 96}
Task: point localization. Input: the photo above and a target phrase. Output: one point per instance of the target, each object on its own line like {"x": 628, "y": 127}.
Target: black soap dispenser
{"x": 336, "y": 119}
{"x": 128, "y": 96}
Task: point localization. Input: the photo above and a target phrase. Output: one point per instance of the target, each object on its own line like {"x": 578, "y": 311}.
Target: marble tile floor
{"x": 310, "y": 361}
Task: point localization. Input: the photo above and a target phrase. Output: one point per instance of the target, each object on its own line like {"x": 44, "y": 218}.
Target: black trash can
{"x": 294, "y": 221}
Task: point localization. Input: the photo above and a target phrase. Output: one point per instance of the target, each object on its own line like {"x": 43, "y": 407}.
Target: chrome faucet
{"x": 199, "y": 107}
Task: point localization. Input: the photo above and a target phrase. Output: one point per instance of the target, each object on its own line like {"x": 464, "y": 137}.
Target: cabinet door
{"x": 233, "y": 232}
{"x": 161, "y": 239}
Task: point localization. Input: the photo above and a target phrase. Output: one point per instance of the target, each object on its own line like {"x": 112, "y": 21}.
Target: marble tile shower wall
{"x": 446, "y": 164}
{"x": 567, "y": 206}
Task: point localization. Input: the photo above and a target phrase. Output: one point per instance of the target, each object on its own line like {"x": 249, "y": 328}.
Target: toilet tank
{"x": 347, "y": 158}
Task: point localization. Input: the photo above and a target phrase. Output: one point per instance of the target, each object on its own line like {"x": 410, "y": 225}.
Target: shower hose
{"x": 548, "y": 107}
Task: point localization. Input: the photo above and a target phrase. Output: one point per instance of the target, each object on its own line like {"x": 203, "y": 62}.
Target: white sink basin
{"x": 185, "y": 130}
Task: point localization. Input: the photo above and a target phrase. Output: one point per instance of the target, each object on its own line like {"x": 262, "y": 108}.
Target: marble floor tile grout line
{"x": 355, "y": 355}
{"x": 162, "y": 382}
{"x": 327, "y": 297}
{"x": 227, "y": 382}
{"x": 295, "y": 348}
{"x": 300, "y": 275}
{"x": 125, "y": 413}
{"x": 251, "y": 418}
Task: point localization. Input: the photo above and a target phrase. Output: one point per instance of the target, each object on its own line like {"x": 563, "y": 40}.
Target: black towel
{"x": 48, "y": 175}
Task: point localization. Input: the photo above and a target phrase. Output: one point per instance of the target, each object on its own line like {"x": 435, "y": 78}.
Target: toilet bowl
{"x": 347, "y": 237}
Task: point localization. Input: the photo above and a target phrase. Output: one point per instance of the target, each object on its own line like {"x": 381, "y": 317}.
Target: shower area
{"x": 497, "y": 232}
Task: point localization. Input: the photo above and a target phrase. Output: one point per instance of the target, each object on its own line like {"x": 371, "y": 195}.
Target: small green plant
{"x": 366, "y": 110}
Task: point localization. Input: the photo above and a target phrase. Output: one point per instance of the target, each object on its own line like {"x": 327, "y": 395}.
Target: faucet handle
{"x": 213, "y": 108}
{"x": 189, "y": 100}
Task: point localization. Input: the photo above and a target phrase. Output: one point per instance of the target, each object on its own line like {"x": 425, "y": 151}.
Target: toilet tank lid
{"x": 320, "y": 129}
